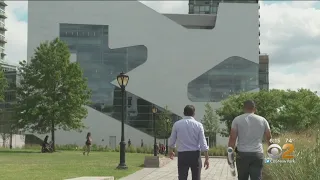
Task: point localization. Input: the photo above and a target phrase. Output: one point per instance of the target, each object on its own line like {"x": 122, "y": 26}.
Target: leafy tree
{"x": 164, "y": 123}
{"x": 285, "y": 110}
{"x": 300, "y": 109}
{"x": 211, "y": 124}
{"x": 52, "y": 91}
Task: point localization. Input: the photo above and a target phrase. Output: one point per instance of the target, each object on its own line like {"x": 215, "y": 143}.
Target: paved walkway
{"x": 219, "y": 170}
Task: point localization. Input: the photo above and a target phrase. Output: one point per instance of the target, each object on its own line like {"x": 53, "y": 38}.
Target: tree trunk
{"x": 10, "y": 140}
{"x": 52, "y": 135}
{"x": 3, "y": 136}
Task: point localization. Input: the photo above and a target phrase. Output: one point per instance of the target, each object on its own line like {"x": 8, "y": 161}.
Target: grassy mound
{"x": 306, "y": 157}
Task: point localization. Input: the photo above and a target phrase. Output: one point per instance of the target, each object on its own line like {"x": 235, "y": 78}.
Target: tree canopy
{"x": 285, "y": 110}
{"x": 164, "y": 123}
{"x": 52, "y": 92}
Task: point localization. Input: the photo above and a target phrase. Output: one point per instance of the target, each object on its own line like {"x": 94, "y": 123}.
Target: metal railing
{"x": 2, "y": 38}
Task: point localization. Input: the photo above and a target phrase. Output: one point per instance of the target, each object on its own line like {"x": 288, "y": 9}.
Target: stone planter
{"x": 155, "y": 161}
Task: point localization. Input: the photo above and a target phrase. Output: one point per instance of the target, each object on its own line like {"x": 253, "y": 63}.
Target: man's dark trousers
{"x": 192, "y": 160}
{"x": 249, "y": 164}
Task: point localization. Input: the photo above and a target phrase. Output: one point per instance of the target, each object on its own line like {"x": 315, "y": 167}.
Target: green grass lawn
{"x": 31, "y": 165}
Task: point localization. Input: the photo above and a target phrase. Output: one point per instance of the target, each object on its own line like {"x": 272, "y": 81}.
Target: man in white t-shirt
{"x": 250, "y": 129}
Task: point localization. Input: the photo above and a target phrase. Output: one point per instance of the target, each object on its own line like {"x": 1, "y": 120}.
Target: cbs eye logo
{"x": 275, "y": 151}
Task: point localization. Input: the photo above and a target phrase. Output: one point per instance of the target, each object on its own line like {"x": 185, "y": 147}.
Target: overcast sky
{"x": 290, "y": 34}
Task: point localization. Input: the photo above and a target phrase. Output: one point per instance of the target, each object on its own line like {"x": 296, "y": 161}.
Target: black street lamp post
{"x": 167, "y": 134}
{"x": 123, "y": 80}
{"x": 155, "y": 147}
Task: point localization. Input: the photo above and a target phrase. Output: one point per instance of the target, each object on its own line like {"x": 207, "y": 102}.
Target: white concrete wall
{"x": 18, "y": 141}
{"x": 176, "y": 55}
{"x": 101, "y": 127}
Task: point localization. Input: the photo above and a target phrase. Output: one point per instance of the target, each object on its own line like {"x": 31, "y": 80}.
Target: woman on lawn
{"x": 88, "y": 144}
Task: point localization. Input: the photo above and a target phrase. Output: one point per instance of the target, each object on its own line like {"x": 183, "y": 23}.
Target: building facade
{"x": 2, "y": 29}
{"x": 172, "y": 60}
{"x": 8, "y": 137}
{"x": 211, "y": 7}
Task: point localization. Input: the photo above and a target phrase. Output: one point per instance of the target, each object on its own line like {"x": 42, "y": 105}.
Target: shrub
{"x": 306, "y": 157}
{"x": 215, "y": 151}
{"x": 131, "y": 149}
{"x": 218, "y": 151}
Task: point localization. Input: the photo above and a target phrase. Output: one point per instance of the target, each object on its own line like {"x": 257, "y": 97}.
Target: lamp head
{"x": 123, "y": 80}
{"x": 154, "y": 109}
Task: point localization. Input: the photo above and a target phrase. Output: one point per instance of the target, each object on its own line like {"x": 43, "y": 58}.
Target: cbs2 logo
{"x": 287, "y": 154}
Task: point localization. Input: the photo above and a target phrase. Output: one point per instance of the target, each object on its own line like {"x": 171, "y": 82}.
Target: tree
{"x": 164, "y": 123}
{"x": 284, "y": 110}
{"x": 211, "y": 124}
{"x": 52, "y": 91}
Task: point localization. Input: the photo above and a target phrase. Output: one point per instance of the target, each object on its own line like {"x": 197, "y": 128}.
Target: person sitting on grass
{"x": 88, "y": 144}
{"x": 45, "y": 145}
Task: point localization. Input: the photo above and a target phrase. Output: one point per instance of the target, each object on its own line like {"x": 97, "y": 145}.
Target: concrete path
{"x": 219, "y": 170}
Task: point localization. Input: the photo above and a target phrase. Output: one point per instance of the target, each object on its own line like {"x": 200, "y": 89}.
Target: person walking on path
{"x": 87, "y": 148}
{"x": 250, "y": 129}
{"x": 189, "y": 136}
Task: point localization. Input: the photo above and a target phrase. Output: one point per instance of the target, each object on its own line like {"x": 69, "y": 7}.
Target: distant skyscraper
{"x": 2, "y": 29}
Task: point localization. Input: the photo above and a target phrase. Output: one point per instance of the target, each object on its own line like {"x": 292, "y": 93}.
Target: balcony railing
{"x": 3, "y": 39}
{"x": 3, "y": 14}
{"x": 2, "y": 27}
{"x": 3, "y": 3}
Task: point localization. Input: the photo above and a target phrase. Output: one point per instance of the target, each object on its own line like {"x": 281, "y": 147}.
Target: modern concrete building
{"x": 211, "y": 7}
{"x": 2, "y": 29}
{"x": 7, "y": 136}
{"x": 172, "y": 59}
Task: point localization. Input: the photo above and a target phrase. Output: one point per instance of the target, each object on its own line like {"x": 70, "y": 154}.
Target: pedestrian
{"x": 129, "y": 143}
{"x": 141, "y": 142}
{"x": 188, "y": 134}
{"x": 88, "y": 143}
{"x": 250, "y": 129}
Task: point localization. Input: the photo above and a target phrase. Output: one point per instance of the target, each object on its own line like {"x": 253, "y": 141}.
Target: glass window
{"x": 196, "y": 9}
{"x": 202, "y": 8}
{"x": 232, "y": 76}
{"x": 214, "y": 9}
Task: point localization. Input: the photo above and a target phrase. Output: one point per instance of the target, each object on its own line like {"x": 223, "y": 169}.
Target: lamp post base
{"x": 167, "y": 150}
{"x": 122, "y": 164}
{"x": 122, "y": 167}
{"x": 155, "y": 148}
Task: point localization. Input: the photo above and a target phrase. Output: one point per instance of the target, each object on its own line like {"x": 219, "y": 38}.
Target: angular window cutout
{"x": 231, "y": 76}
{"x": 101, "y": 65}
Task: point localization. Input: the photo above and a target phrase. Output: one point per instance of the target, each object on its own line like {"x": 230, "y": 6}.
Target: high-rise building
{"x": 2, "y": 29}
{"x": 170, "y": 59}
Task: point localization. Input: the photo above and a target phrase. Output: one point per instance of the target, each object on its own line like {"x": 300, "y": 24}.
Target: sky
{"x": 290, "y": 34}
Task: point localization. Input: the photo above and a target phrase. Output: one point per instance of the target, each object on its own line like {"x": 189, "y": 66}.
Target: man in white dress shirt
{"x": 188, "y": 134}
